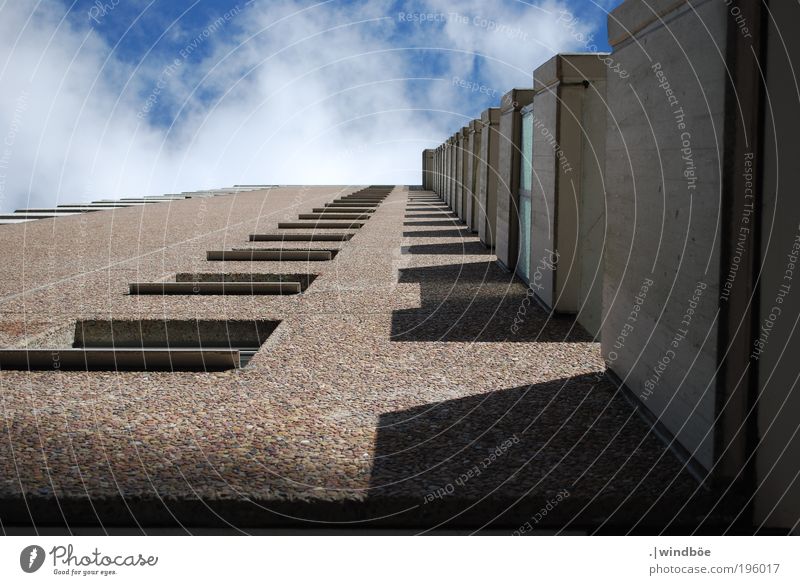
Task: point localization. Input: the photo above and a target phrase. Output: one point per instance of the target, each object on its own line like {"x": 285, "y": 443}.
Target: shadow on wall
{"x": 573, "y": 447}
{"x": 477, "y": 302}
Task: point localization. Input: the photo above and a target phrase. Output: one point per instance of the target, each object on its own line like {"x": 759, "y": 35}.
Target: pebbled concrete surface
{"x": 413, "y": 385}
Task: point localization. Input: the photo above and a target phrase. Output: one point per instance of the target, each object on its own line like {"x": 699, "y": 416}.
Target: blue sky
{"x": 131, "y": 97}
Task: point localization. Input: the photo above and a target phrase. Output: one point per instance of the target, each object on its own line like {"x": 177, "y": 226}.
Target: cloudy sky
{"x": 143, "y": 97}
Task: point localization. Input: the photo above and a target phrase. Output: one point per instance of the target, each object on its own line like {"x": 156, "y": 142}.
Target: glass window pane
{"x": 525, "y": 180}
{"x": 524, "y": 256}
{"x": 526, "y": 160}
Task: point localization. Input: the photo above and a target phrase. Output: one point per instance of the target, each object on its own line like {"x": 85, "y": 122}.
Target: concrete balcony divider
{"x": 427, "y": 169}
{"x": 462, "y": 187}
{"x": 452, "y": 182}
{"x": 508, "y": 169}
{"x": 682, "y": 132}
{"x": 487, "y": 176}
{"x": 471, "y": 175}
{"x": 447, "y": 182}
{"x": 567, "y": 197}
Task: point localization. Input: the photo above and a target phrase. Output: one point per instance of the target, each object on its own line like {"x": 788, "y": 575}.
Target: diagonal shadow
{"x": 573, "y": 445}
{"x": 453, "y": 249}
{"x": 477, "y": 302}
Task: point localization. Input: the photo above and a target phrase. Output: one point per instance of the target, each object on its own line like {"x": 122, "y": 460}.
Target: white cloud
{"x": 287, "y": 93}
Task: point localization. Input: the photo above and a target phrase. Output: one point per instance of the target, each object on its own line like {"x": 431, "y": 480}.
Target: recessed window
{"x": 148, "y": 345}
{"x": 226, "y": 284}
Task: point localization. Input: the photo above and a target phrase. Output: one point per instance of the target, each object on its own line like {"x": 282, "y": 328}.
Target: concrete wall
{"x": 777, "y": 502}
{"x": 508, "y": 162}
{"x": 487, "y": 176}
{"x": 567, "y": 194}
{"x": 663, "y": 182}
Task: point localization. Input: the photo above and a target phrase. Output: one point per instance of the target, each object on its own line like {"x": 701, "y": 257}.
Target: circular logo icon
{"x": 31, "y": 558}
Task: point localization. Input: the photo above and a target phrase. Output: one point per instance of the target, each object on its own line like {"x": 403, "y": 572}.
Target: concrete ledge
{"x": 172, "y": 333}
{"x": 354, "y": 204}
{"x": 361, "y": 210}
{"x": 294, "y": 225}
{"x": 35, "y": 215}
{"x": 333, "y": 215}
{"x": 214, "y": 288}
{"x": 300, "y": 237}
{"x": 58, "y": 210}
{"x": 305, "y": 279}
{"x": 133, "y": 359}
{"x": 249, "y": 254}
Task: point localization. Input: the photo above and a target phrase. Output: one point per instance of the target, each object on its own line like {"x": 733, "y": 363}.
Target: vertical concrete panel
{"x": 436, "y": 153}
{"x": 469, "y": 173}
{"x": 570, "y": 195}
{"x": 593, "y": 206}
{"x": 568, "y": 199}
{"x": 487, "y": 177}
{"x": 508, "y": 162}
{"x": 458, "y": 178}
{"x": 463, "y": 178}
{"x": 448, "y": 173}
{"x": 474, "y": 157}
{"x": 663, "y": 159}
{"x": 543, "y": 195}
{"x": 427, "y": 169}
{"x": 777, "y": 503}
{"x": 453, "y": 167}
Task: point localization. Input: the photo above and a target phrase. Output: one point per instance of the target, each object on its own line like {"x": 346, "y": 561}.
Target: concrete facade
{"x": 508, "y": 168}
{"x": 363, "y": 395}
{"x": 567, "y": 196}
{"x": 487, "y": 176}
